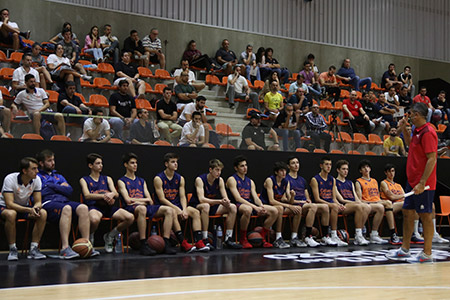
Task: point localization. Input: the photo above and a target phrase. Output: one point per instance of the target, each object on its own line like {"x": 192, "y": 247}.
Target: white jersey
{"x": 13, "y": 184}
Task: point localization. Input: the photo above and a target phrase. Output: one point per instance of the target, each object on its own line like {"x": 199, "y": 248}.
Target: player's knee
{"x": 141, "y": 210}
{"x": 43, "y": 214}
{"x": 82, "y": 209}
{"x": 245, "y": 210}
{"x": 233, "y": 208}
{"x": 67, "y": 210}
{"x": 10, "y": 215}
{"x": 280, "y": 209}
{"x": 129, "y": 218}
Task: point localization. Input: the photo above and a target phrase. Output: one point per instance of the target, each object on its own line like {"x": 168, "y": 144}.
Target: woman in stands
{"x": 59, "y": 37}
{"x": 92, "y": 45}
{"x": 60, "y": 69}
{"x": 261, "y": 61}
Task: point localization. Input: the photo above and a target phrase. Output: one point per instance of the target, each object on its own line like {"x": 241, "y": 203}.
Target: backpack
{"x": 47, "y": 130}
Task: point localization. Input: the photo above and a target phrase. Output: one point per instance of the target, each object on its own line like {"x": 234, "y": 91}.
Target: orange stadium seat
{"x": 162, "y": 143}
{"x": 209, "y": 145}
{"x": 319, "y": 151}
{"x": 375, "y": 139}
{"x": 335, "y": 151}
{"x": 106, "y": 68}
{"x": 52, "y": 96}
{"x": 445, "y": 210}
{"x": 370, "y": 153}
{"x": 115, "y": 141}
{"x": 57, "y": 137}
{"x": 6, "y": 73}
{"x": 3, "y": 57}
{"x": 83, "y": 99}
{"x": 225, "y": 130}
{"x": 162, "y": 74}
{"x": 227, "y": 146}
{"x": 258, "y": 84}
{"x": 16, "y": 57}
{"x": 354, "y": 152}
{"x": 145, "y": 72}
{"x": 144, "y": 104}
{"x": 32, "y": 136}
{"x": 104, "y": 84}
{"x": 98, "y": 100}
{"x": 301, "y": 150}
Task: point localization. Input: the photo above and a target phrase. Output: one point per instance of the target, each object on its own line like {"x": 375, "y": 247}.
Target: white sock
{"x": 278, "y": 235}
{"x": 333, "y": 233}
{"x": 358, "y": 231}
{"x": 91, "y": 237}
{"x": 434, "y": 226}
{"x": 374, "y": 232}
{"x": 33, "y": 245}
{"x": 114, "y": 232}
{"x": 228, "y": 234}
{"x": 293, "y": 235}
{"x": 11, "y": 246}
{"x": 416, "y": 227}
{"x": 204, "y": 235}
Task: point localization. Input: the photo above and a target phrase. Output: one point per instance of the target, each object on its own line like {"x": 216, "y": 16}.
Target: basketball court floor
{"x": 342, "y": 273}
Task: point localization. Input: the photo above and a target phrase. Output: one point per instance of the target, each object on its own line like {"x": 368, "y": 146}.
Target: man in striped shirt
{"x": 152, "y": 46}
{"x": 316, "y": 126}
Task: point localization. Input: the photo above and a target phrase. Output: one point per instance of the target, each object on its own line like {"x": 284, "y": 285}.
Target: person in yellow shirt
{"x": 273, "y": 101}
{"x": 393, "y": 145}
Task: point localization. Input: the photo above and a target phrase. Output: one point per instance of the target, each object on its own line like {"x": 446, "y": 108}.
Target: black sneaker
{"x": 395, "y": 240}
{"x": 146, "y": 250}
{"x": 168, "y": 249}
{"x": 231, "y": 245}
{"x": 207, "y": 244}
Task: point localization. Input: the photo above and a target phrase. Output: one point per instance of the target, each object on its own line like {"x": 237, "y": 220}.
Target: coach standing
{"x": 421, "y": 171}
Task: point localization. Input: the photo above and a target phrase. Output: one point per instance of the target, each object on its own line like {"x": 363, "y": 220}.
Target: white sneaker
{"x": 360, "y": 240}
{"x": 375, "y": 239}
{"x": 86, "y": 77}
{"x": 310, "y": 242}
{"x": 339, "y": 242}
{"x": 438, "y": 239}
{"x": 327, "y": 241}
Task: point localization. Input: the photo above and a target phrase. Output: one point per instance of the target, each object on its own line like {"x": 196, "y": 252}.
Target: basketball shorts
{"x": 19, "y": 215}
{"x": 54, "y": 209}
{"x": 107, "y": 211}
{"x": 422, "y": 203}
{"x": 151, "y": 209}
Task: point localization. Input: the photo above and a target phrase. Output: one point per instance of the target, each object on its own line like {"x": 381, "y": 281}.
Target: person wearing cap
{"x": 253, "y": 135}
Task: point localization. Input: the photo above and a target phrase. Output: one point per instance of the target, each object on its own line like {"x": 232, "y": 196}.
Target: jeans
{"x": 232, "y": 95}
{"x": 114, "y": 50}
{"x": 317, "y": 136}
{"x": 97, "y": 52}
{"x": 285, "y": 134}
{"x": 71, "y": 110}
{"x": 315, "y": 89}
{"x": 357, "y": 82}
{"x": 165, "y": 126}
{"x": 360, "y": 121}
{"x": 258, "y": 75}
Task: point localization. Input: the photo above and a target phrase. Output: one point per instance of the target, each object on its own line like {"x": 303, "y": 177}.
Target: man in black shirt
{"x": 70, "y": 103}
{"x": 286, "y": 126}
{"x": 275, "y": 66}
{"x": 142, "y": 132}
{"x": 404, "y": 99}
{"x": 166, "y": 115}
{"x": 125, "y": 69}
{"x": 134, "y": 45}
{"x": 122, "y": 106}
{"x": 376, "y": 122}
{"x": 226, "y": 58}
{"x": 253, "y": 135}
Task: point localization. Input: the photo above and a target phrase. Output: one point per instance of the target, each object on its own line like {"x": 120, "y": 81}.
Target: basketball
{"x": 314, "y": 232}
{"x": 133, "y": 241}
{"x": 255, "y": 239}
{"x": 83, "y": 247}
{"x": 156, "y": 243}
{"x": 343, "y": 235}
{"x": 272, "y": 235}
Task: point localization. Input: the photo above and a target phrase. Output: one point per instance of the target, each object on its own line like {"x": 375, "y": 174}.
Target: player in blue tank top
{"x": 100, "y": 195}
{"x": 324, "y": 190}
{"x": 345, "y": 194}
{"x": 209, "y": 196}
{"x": 242, "y": 190}
{"x": 170, "y": 192}
{"x": 137, "y": 200}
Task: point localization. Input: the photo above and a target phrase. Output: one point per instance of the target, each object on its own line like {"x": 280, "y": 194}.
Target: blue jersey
{"x": 346, "y": 189}
{"x": 244, "y": 187}
{"x": 52, "y": 188}
{"x": 135, "y": 188}
{"x": 211, "y": 191}
{"x": 278, "y": 190}
{"x": 299, "y": 186}
{"x": 96, "y": 187}
{"x": 171, "y": 188}
{"x": 325, "y": 188}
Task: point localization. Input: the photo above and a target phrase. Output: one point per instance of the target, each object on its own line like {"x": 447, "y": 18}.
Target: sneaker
{"x": 399, "y": 255}
{"x": 245, "y": 244}
{"x": 231, "y": 106}
{"x": 339, "y": 242}
{"x": 146, "y": 250}
{"x": 327, "y": 241}
{"x": 310, "y": 242}
{"x": 208, "y": 244}
{"x": 35, "y": 254}
{"x": 360, "y": 240}
{"x": 95, "y": 253}
{"x": 169, "y": 250}
{"x": 232, "y": 245}
{"x": 68, "y": 253}
{"x": 438, "y": 239}
{"x": 280, "y": 243}
{"x": 395, "y": 240}
{"x": 268, "y": 245}
{"x": 416, "y": 239}
{"x": 186, "y": 247}
{"x": 296, "y": 242}
{"x": 200, "y": 246}
{"x": 109, "y": 243}
{"x": 420, "y": 258}
{"x": 86, "y": 77}
{"x": 13, "y": 254}
{"x": 375, "y": 239}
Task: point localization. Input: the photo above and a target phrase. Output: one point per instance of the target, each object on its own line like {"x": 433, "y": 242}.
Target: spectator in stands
{"x": 355, "y": 114}
{"x": 126, "y": 70}
{"x": 196, "y": 58}
{"x": 286, "y": 126}
{"x": 10, "y": 33}
{"x": 35, "y": 101}
{"x": 253, "y": 135}
{"x": 393, "y": 145}
{"x": 316, "y": 126}
{"x": 40, "y": 65}
{"x": 110, "y": 44}
{"x": 329, "y": 81}
{"x": 273, "y": 101}
{"x": 71, "y": 50}
{"x": 18, "y": 80}
{"x": 406, "y": 79}
{"x": 348, "y": 75}
{"x": 300, "y": 101}
{"x": 123, "y": 107}
{"x": 299, "y": 83}
{"x": 274, "y": 76}
{"x": 226, "y": 57}
{"x": 372, "y": 97}
{"x": 134, "y": 45}
{"x": 390, "y": 78}
{"x": 5, "y": 115}
{"x": 193, "y": 133}
{"x": 248, "y": 59}
{"x": 310, "y": 81}
{"x": 264, "y": 69}
{"x": 439, "y": 103}
{"x": 275, "y": 66}
{"x": 70, "y": 103}
{"x": 96, "y": 129}
{"x": 166, "y": 115}
{"x": 311, "y": 58}
{"x": 200, "y": 106}
{"x": 423, "y": 98}
{"x": 141, "y": 133}
{"x": 404, "y": 98}
{"x": 59, "y": 37}
{"x": 386, "y": 111}
{"x": 152, "y": 46}
{"x": 237, "y": 87}
{"x": 376, "y": 122}
{"x": 185, "y": 67}
{"x": 392, "y": 98}
{"x": 184, "y": 92}
{"x": 92, "y": 44}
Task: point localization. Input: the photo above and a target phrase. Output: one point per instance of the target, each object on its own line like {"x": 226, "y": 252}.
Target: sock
{"x": 197, "y": 235}
{"x": 293, "y": 235}
{"x": 243, "y": 235}
{"x": 278, "y": 235}
{"x": 308, "y": 231}
{"x": 180, "y": 237}
{"x": 325, "y": 230}
{"x": 114, "y": 232}
{"x": 374, "y": 232}
{"x": 12, "y": 246}
{"x": 392, "y": 231}
{"x": 33, "y": 245}
{"x": 434, "y": 226}
{"x": 228, "y": 234}
{"x": 205, "y": 235}
{"x": 358, "y": 231}
{"x": 416, "y": 227}
{"x": 333, "y": 234}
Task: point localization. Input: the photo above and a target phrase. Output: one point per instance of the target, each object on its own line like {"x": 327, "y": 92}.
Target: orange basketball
{"x": 255, "y": 239}
{"x": 271, "y": 237}
{"x": 133, "y": 241}
{"x": 156, "y": 243}
{"x": 83, "y": 247}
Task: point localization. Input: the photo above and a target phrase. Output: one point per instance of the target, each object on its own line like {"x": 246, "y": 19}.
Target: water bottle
{"x": 156, "y": 133}
{"x": 364, "y": 231}
{"x": 420, "y": 228}
{"x": 219, "y": 238}
{"x": 118, "y": 246}
{"x": 153, "y": 232}
{"x": 214, "y": 233}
